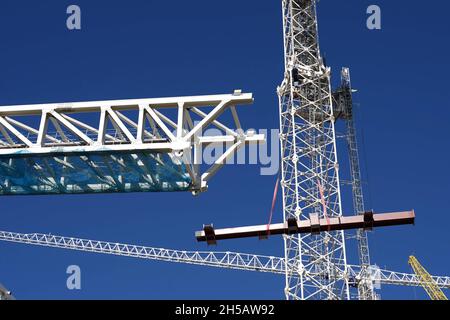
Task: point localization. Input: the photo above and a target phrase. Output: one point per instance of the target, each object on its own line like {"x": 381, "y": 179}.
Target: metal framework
{"x": 227, "y": 260}
{"x": 343, "y": 98}
{"x": 428, "y": 283}
{"x": 155, "y": 145}
{"x": 152, "y": 145}
{"x": 316, "y": 264}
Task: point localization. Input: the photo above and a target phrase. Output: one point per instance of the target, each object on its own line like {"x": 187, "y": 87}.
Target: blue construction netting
{"x": 105, "y": 172}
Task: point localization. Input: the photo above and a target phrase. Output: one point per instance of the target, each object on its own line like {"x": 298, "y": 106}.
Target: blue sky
{"x": 138, "y": 49}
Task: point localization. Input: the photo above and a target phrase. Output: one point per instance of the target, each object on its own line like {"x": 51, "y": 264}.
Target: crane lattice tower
{"x": 316, "y": 264}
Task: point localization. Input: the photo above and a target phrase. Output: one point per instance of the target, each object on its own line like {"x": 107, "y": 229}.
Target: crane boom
{"x": 147, "y": 150}
{"x": 428, "y": 283}
{"x": 232, "y": 260}
{"x": 228, "y": 260}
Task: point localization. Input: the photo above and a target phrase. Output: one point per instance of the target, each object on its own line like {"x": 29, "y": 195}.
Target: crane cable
{"x": 274, "y": 199}
{"x": 324, "y": 205}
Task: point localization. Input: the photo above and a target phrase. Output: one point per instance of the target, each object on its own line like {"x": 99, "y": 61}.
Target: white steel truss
{"x": 167, "y": 126}
{"x": 316, "y": 264}
{"x": 343, "y": 98}
{"x": 227, "y": 260}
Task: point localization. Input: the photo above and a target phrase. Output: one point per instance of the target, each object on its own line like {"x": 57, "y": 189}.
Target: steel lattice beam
{"x": 227, "y": 260}
{"x": 428, "y": 284}
{"x": 129, "y": 133}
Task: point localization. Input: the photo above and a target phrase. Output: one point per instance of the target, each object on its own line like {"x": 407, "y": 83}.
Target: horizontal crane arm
{"x": 228, "y": 260}
{"x": 231, "y": 260}
{"x": 162, "y": 137}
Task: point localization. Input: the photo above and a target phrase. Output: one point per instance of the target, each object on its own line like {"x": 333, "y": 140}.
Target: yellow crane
{"x": 427, "y": 281}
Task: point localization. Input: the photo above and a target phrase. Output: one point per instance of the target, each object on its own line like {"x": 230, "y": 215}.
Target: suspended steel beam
{"x": 313, "y": 226}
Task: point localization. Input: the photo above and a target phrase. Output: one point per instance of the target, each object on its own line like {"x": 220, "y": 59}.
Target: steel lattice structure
{"x": 428, "y": 283}
{"x": 153, "y": 151}
{"x": 344, "y": 109}
{"x": 316, "y": 264}
{"x": 117, "y": 146}
{"x": 226, "y": 260}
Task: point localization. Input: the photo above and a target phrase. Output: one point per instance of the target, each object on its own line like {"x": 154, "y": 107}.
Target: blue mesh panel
{"x": 92, "y": 173}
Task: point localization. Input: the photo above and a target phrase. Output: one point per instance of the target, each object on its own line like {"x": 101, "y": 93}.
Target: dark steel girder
{"x": 314, "y": 225}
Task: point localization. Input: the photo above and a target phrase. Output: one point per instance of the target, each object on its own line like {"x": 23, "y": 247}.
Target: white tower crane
{"x": 151, "y": 151}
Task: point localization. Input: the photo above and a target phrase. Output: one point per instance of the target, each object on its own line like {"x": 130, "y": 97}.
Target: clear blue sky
{"x": 136, "y": 49}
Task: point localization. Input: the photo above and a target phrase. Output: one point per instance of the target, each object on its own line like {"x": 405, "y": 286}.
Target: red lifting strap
{"x": 274, "y": 199}
{"x": 324, "y": 205}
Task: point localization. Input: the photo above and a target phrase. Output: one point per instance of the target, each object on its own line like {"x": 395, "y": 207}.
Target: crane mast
{"x": 316, "y": 265}
{"x": 344, "y": 109}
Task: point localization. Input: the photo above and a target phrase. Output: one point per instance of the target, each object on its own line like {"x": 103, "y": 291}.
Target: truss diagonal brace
{"x": 176, "y": 138}
{"x": 313, "y": 225}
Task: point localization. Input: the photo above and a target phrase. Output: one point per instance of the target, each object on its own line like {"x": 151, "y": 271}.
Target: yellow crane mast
{"x": 428, "y": 283}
